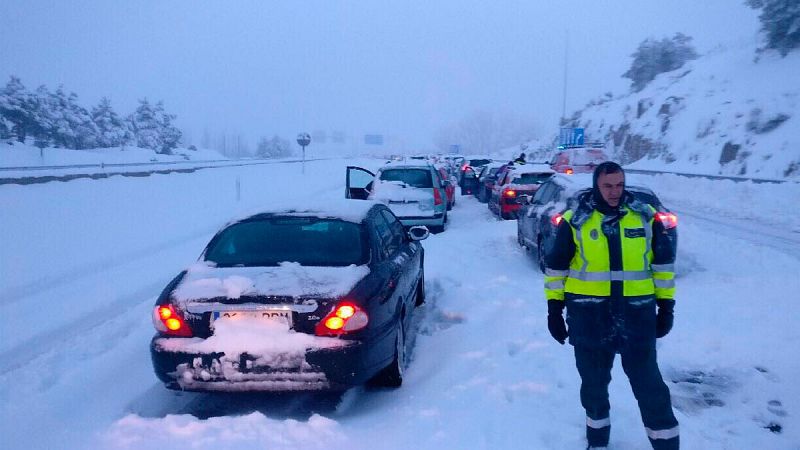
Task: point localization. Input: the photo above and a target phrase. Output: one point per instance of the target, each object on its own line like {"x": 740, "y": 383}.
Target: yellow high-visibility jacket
{"x": 610, "y": 269}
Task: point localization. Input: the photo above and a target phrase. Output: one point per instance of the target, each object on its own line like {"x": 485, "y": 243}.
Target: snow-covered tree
{"x": 145, "y": 126}
{"x": 152, "y": 127}
{"x": 273, "y": 148}
{"x": 780, "y": 21}
{"x": 15, "y": 107}
{"x": 170, "y": 135}
{"x": 5, "y": 128}
{"x": 62, "y": 121}
{"x": 112, "y": 130}
{"x": 653, "y": 57}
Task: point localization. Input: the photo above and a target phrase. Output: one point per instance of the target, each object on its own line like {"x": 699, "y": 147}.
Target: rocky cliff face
{"x": 724, "y": 113}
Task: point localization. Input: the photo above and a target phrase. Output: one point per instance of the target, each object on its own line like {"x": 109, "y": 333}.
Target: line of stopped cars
{"x": 324, "y": 297}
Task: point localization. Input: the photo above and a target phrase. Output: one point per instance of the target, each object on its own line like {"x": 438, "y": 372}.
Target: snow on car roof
{"x": 406, "y": 165}
{"x": 345, "y": 209}
{"x": 532, "y": 168}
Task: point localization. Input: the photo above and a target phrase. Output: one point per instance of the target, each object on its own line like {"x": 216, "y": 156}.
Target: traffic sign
{"x": 571, "y": 136}
{"x": 303, "y": 139}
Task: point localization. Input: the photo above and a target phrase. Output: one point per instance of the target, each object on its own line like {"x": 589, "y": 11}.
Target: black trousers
{"x": 652, "y": 394}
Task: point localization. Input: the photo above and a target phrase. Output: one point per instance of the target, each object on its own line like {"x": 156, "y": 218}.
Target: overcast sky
{"x": 401, "y": 68}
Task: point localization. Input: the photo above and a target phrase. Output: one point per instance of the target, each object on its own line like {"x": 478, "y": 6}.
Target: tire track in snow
{"x": 766, "y": 235}
{"x": 20, "y": 292}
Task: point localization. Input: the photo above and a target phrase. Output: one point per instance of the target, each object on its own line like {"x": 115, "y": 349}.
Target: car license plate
{"x": 271, "y": 315}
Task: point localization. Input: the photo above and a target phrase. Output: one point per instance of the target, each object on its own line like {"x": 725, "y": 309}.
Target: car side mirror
{"x": 526, "y": 199}
{"x": 418, "y": 233}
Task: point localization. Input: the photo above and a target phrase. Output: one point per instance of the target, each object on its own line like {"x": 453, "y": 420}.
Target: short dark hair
{"x": 605, "y": 168}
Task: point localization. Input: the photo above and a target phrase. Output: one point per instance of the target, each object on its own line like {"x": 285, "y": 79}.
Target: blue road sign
{"x": 577, "y": 136}
{"x": 571, "y": 136}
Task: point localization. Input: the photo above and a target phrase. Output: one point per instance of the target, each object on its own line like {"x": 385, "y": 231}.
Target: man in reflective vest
{"x": 612, "y": 266}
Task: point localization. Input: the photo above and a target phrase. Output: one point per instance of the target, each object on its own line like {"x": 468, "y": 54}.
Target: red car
{"x": 514, "y": 182}
{"x": 449, "y": 182}
{"x": 577, "y": 160}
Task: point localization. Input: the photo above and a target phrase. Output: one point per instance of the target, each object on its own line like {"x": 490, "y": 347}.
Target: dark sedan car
{"x": 312, "y": 299}
{"x": 539, "y": 217}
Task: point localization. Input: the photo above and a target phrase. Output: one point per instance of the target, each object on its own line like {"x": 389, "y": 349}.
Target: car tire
{"x": 520, "y": 241}
{"x": 449, "y": 206}
{"x": 419, "y": 296}
{"x": 540, "y": 255}
{"x": 392, "y": 375}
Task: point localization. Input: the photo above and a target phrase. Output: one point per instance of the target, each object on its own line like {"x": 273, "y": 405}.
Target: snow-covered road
{"x": 81, "y": 263}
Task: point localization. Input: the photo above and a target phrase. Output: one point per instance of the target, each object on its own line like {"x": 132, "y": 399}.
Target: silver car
{"x": 412, "y": 190}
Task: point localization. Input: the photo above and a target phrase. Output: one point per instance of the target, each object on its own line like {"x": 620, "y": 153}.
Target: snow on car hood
{"x": 203, "y": 281}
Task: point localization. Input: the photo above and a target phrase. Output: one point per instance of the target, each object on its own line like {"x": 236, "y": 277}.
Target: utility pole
{"x": 564, "y": 94}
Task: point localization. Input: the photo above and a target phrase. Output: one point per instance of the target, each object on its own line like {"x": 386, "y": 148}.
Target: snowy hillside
{"x": 725, "y": 113}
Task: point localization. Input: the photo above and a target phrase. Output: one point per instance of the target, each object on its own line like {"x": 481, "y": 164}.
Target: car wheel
{"x": 392, "y": 375}
{"x": 449, "y": 206}
{"x": 420, "y": 294}
{"x": 540, "y": 255}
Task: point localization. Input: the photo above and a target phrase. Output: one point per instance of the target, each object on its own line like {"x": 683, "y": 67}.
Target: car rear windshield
{"x": 309, "y": 241}
{"x": 648, "y": 198}
{"x": 479, "y": 162}
{"x": 588, "y": 157}
{"x": 531, "y": 178}
{"x": 419, "y": 178}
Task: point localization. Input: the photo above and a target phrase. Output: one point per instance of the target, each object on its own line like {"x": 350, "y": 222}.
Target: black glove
{"x": 555, "y": 321}
{"x": 665, "y": 316}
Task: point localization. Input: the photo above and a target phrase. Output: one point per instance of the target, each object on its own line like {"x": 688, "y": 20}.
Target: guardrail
{"x": 104, "y": 165}
{"x": 207, "y": 164}
{"x": 710, "y": 177}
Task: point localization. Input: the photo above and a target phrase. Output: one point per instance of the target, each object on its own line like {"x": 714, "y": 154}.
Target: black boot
{"x": 597, "y": 437}
{"x": 666, "y": 444}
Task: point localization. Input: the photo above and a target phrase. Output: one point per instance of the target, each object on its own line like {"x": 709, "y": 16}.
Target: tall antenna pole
{"x": 564, "y": 95}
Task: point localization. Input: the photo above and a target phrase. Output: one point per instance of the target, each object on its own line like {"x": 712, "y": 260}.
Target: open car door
{"x": 359, "y": 183}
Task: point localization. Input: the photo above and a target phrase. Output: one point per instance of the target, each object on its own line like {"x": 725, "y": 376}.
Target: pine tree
{"x": 145, "y": 126}
{"x": 112, "y": 130}
{"x": 273, "y": 148}
{"x": 653, "y": 57}
{"x": 67, "y": 124}
{"x": 780, "y": 21}
{"x": 170, "y": 135}
{"x": 84, "y": 130}
{"x": 15, "y": 106}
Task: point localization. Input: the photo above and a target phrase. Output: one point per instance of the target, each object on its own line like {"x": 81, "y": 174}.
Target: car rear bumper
{"x": 316, "y": 369}
{"x": 435, "y": 220}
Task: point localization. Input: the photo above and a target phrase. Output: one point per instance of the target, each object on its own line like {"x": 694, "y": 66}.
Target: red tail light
{"x": 168, "y": 321}
{"x": 437, "y": 197}
{"x": 669, "y": 220}
{"x": 344, "y": 318}
{"x": 510, "y": 193}
{"x": 569, "y": 171}
{"x": 556, "y": 219}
